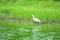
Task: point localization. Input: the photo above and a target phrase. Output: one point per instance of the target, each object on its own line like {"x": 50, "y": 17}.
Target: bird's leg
{"x": 38, "y": 23}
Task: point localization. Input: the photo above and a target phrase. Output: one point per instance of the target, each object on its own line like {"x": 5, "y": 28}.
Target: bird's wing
{"x": 36, "y": 19}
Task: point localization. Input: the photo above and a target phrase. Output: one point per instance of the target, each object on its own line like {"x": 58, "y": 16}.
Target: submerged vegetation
{"x": 28, "y": 31}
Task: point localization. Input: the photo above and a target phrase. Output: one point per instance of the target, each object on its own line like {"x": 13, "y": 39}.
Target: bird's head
{"x": 33, "y": 15}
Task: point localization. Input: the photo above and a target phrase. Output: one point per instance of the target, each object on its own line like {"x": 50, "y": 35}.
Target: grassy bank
{"x": 46, "y": 11}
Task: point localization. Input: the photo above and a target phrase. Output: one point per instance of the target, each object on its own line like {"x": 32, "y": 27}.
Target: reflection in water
{"x": 37, "y": 35}
{"x": 35, "y": 32}
{"x": 26, "y": 34}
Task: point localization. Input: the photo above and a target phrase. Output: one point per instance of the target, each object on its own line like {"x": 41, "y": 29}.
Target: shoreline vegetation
{"x": 48, "y": 11}
{"x": 24, "y": 20}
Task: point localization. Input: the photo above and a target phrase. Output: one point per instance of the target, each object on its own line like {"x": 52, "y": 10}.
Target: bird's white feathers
{"x": 35, "y": 19}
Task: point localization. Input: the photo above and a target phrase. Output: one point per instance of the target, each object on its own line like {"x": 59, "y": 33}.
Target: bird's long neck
{"x": 33, "y": 16}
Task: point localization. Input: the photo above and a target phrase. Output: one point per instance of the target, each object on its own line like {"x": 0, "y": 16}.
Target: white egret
{"x": 35, "y": 19}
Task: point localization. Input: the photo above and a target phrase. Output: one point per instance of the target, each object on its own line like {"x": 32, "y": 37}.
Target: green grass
{"x": 45, "y": 10}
